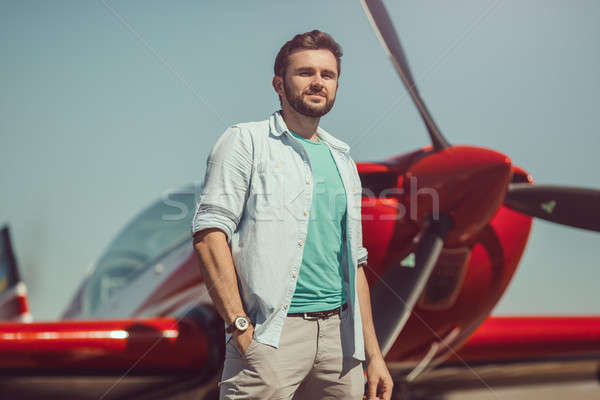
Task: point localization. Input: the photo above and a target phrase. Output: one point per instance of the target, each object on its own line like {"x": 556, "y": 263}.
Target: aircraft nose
{"x": 465, "y": 182}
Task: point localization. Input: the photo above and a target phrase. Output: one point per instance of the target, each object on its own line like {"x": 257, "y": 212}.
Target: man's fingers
{"x": 372, "y": 389}
{"x": 386, "y": 392}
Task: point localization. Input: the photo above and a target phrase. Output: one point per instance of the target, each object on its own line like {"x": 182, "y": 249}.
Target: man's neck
{"x": 300, "y": 124}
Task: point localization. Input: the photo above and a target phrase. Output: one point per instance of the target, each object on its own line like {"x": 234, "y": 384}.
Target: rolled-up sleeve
{"x": 362, "y": 255}
{"x": 362, "y": 251}
{"x": 223, "y": 194}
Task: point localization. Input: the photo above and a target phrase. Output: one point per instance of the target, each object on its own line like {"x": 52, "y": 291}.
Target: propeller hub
{"x": 464, "y": 182}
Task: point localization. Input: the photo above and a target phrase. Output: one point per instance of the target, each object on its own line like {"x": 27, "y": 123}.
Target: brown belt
{"x": 320, "y": 314}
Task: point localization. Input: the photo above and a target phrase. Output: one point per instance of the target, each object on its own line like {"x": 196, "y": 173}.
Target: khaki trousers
{"x": 308, "y": 364}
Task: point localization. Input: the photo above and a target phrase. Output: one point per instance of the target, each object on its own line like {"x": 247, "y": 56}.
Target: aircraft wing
{"x": 522, "y": 350}
{"x": 110, "y": 359}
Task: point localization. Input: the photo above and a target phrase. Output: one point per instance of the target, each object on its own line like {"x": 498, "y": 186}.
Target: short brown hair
{"x": 313, "y": 40}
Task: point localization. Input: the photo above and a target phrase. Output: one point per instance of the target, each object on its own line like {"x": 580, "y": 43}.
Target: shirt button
{"x": 285, "y": 307}
{"x": 294, "y": 274}
{"x": 300, "y": 242}
{"x": 308, "y": 181}
{"x": 276, "y": 164}
{"x": 305, "y": 212}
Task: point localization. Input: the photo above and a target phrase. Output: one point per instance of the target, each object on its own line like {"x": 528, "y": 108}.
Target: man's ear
{"x": 278, "y": 84}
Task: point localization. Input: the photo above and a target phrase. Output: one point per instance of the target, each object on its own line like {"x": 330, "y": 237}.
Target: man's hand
{"x": 379, "y": 381}
{"x": 243, "y": 339}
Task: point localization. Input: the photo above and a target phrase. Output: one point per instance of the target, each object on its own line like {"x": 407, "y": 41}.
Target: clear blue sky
{"x": 106, "y": 105}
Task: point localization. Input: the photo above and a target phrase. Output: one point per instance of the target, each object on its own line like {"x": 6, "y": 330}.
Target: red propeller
{"x": 470, "y": 184}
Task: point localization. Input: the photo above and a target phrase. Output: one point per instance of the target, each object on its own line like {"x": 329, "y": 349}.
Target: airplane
{"x": 445, "y": 226}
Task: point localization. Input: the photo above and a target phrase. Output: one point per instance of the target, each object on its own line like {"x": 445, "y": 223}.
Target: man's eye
{"x": 304, "y": 73}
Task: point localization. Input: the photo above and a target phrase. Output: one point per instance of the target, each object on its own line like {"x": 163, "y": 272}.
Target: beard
{"x": 303, "y": 107}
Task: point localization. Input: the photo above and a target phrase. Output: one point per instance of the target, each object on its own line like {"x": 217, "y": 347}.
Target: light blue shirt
{"x": 258, "y": 190}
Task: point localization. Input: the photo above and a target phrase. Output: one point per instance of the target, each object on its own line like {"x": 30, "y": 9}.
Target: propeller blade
{"x": 578, "y": 207}
{"x": 386, "y": 33}
{"x": 394, "y": 296}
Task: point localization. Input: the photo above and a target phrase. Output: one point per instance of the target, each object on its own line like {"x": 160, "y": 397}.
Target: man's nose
{"x": 317, "y": 83}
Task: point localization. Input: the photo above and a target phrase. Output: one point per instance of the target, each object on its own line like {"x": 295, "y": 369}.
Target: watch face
{"x": 241, "y": 323}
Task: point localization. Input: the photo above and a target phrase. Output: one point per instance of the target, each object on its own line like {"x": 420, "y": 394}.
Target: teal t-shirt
{"x": 320, "y": 283}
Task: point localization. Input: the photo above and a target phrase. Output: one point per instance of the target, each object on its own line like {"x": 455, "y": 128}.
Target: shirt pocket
{"x": 269, "y": 187}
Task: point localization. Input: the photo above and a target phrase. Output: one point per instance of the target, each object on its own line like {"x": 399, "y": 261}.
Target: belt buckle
{"x": 309, "y": 317}
{"x": 321, "y": 314}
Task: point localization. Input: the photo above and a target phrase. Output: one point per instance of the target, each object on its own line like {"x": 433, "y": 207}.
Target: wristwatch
{"x": 240, "y": 323}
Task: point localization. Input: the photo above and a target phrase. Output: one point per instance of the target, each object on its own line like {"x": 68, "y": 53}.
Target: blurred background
{"x": 107, "y": 105}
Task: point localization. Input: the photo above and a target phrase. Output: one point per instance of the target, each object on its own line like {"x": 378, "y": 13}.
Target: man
{"x": 278, "y": 233}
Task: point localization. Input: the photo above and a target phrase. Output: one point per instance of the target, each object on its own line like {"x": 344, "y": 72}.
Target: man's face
{"x": 311, "y": 81}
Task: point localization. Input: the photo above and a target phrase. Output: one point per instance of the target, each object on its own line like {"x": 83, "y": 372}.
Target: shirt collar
{"x": 278, "y": 127}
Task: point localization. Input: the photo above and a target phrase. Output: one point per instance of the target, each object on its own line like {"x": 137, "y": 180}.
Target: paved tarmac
{"x": 570, "y": 391}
